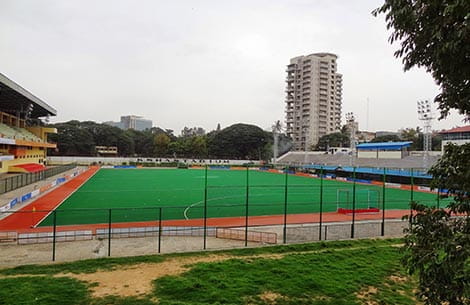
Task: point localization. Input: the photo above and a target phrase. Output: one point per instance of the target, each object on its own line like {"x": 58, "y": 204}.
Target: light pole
{"x": 351, "y": 123}
{"x": 425, "y": 115}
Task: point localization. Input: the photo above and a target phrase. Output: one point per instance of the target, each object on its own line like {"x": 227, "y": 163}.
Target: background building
{"x": 313, "y": 102}
{"x": 23, "y": 137}
{"x": 195, "y": 131}
{"x": 131, "y": 122}
{"x": 386, "y": 133}
{"x": 458, "y": 136}
{"x": 106, "y": 151}
{"x": 365, "y": 136}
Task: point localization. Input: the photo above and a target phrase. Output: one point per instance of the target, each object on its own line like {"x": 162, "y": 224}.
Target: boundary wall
{"x": 30, "y": 195}
{"x": 55, "y": 160}
{"x": 360, "y": 181}
{"x": 250, "y": 236}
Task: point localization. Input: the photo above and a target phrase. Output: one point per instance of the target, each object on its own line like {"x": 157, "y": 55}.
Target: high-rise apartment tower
{"x": 313, "y": 101}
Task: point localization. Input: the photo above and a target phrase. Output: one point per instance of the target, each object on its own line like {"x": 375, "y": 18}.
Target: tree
{"x": 189, "y": 147}
{"x": 126, "y": 144}
{"x": 437, "y": 246}
{"x": 73, "y": 140}
{"x": 436, "y": 142}
{"x": 144, "y": 145}
{"x": 412, "y": 135}
{"x": 239, "y": 141}
{"x": 336, "y": 139}
{"x": 161, "y": 144}
{"x": 387, "y": 138}
{"x": 409, "y": 134}
{"x": 76, "y": 138}
{"x": 434, "y": 34}
{"x": 199, "y": 146}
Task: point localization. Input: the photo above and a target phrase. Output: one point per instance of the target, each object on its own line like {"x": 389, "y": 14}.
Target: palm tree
{"x": 277, "y": 129}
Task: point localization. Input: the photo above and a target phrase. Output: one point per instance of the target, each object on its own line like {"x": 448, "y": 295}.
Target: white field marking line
{"x": 212, "y": 199}
{"x": 202, "y": 201}
{"x": 35, "y": 226}
{"x": 190, "y": 206}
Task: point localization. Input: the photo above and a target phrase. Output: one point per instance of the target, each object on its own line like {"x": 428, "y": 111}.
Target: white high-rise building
{"x": 313, "y": 102}
{"x": 131, "y": 122}
{"x": 135, "y": 122}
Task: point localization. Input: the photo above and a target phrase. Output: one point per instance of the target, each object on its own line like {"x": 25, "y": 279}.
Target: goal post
{"x": 366, "y": 201}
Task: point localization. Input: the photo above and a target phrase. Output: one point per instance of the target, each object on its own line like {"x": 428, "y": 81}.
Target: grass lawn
{"x": 136, "y": 194}
{"x": 327, "y": 273}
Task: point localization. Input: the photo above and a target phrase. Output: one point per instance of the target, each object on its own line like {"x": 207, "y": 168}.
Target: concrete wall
{"x": 119, "y": 161}
{"x": 390, "y": 154}
{"x": 379, "y": 154}
{"x": 366, "y": 154}
{"x": 337, "y": 231}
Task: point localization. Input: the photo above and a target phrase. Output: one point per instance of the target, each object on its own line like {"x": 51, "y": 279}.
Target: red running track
{"x": 19, "y": 221}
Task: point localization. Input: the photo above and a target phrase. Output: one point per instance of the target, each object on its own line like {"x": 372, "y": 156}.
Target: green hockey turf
{"x": 137, "y": 195}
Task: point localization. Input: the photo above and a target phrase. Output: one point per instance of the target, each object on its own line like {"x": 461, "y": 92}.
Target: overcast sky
{"x": 199, "y": 63}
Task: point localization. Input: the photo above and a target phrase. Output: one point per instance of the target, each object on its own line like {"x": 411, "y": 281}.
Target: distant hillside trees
{"x": 336, "y": 139}
{"x": 238, "y": 141}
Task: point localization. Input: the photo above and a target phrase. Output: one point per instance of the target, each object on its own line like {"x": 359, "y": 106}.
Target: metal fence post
{"x": 382, "y": 232}
{"x": 321, "y": 203}
{"x": 284, "y": 231}
{"x": 246, "y": 205}
{"x": 159, "y": 230}
{"x": 109, "y": 232}
{"x": 205, "y": 210}
{"x": 54, "y": 221}
{"x": 411, "y": 196}
{"x": 353, "y": 203}
{"x": 438, "y": 199}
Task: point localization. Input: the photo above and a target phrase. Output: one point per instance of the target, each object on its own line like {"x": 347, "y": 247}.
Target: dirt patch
{"x": 366, "y": 294}
{"x": 398, "y": 278}
{"x": 137, "y": 279}
{"x": 270, "y": 297}
{"x": 273, "y": 298}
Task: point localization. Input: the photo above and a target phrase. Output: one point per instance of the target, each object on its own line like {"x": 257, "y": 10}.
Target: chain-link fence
{"x": 15, "y": 182}
{"x": 247, "y": 212}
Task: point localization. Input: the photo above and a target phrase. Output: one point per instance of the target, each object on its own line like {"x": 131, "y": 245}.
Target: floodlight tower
{"x": 351, "y": 123}
{"x": 425, "y": 115}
